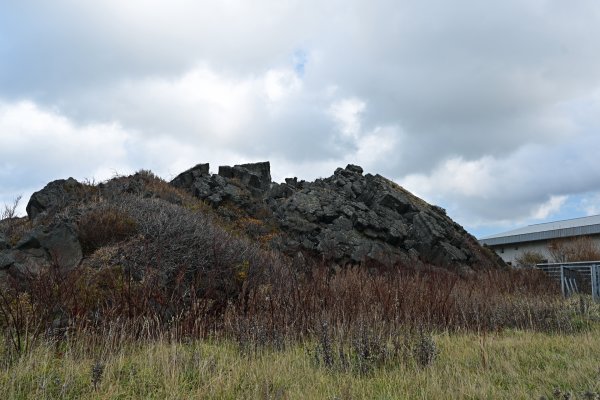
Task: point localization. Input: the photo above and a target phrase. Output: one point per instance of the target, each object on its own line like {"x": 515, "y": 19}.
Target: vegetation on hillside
{"x": 170, "y": 301}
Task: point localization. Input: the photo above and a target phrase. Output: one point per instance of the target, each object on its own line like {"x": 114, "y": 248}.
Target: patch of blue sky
{"x": 300, "y": 60}
{"x": 575, "y": 206}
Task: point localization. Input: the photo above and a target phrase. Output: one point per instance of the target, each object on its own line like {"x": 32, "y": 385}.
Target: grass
{"x": 506, "y": 365}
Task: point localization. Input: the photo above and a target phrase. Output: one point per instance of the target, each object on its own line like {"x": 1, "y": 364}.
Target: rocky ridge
{"x": 350, "y": 218}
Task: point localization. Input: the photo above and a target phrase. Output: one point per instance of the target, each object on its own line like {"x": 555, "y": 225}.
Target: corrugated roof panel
{"x": 546, "y": 231}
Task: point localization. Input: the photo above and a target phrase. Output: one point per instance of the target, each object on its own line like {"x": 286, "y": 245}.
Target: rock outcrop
{"x": 350, "y": 218}
{"x": 55, "y": 244}
{"x": 346, "y": 218}
{"x": 54, "y": 196}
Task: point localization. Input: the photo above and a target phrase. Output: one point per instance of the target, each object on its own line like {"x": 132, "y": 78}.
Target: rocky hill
{"x": 348, "y": 218}
{"x": 235, "y": 218}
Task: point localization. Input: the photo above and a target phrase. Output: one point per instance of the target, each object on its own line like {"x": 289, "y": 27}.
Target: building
{"x": 536, "y": 238}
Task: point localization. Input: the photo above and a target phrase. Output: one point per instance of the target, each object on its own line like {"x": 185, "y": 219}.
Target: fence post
{"x": 562, "y": 280}
{"x": 594, "y": 279}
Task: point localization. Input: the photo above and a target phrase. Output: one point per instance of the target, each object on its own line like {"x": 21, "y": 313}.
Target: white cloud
{"x": 374, "y": 147}
{"x": 550, "y": 207}
{"x": 489, "y": 109}
{"x": 42, "y": 142}
{"x": 591, "y": 204}
{"x": 466, "y": 178}
{"x": 531, "y": 184}
{"x": 281, "y": 83}
{"x": 348, "y": 113}
{"x": 38, "y": 146}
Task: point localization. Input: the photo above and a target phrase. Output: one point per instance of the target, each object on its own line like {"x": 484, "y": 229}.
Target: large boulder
{"x": 6, "y": 260}
{"x": 187, "y": 178}
{"x": 54, "y": 196}
{"x": 55, "y": 244}
{"x": 256, "y": 176}
{"x": 241, "y": 185}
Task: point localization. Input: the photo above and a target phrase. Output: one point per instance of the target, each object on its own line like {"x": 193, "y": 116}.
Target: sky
{"x": 488, "y": 109}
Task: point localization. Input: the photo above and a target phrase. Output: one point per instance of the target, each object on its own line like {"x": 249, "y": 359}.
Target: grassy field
{"x": 507, "y": 365}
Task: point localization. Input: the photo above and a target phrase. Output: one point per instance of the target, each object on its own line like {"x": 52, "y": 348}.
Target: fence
{"x": 575, "y": 277}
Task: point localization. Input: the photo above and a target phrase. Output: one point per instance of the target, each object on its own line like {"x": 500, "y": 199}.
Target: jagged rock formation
{"x": 240, "y": 184}
{"x": 346, "y": 218}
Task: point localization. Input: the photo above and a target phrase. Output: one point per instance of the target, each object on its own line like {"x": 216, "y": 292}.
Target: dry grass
{"x": 104, "y": 226}
{"x": 507, "y": 365}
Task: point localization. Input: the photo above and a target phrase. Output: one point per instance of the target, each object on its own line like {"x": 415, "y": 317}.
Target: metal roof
{"x": 547, "y": 231}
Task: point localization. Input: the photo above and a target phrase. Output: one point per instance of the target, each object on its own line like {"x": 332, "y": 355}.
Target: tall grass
{"x": 508, "y": 365}
{"x": 279, "y": 303}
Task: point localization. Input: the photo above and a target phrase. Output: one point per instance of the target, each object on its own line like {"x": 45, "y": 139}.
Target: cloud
{"x": 38, "y": 143}
{"x": 530, "y": 184}
{"x": 551, "y": 206}
{"x": 347, "y": 115}
{"x": 488, "y": 109}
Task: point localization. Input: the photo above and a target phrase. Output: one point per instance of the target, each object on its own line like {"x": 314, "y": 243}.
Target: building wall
{"x": 509, "y": 252}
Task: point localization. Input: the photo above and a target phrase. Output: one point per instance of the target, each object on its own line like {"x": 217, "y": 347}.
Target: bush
{"x": 103, "y": 226}
{"x": 529, "y": 259}
{"x": 572, "y": 250}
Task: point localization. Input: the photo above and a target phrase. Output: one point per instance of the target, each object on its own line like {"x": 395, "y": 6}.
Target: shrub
{"x": 571, "y": 250}
{"x": 425, "y": 350}
{"x": 529, "y": 259}
{"x": 11, "y": 225}
{"x": 103, "y": 226}
{"x": 10, "y": 210}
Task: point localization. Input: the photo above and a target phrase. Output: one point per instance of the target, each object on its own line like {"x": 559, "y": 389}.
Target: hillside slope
{"x": 234, "y": 219}
{"x": 348, "y": 218}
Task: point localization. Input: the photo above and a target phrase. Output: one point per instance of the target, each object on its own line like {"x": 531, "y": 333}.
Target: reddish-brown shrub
{"x": 571, "y": 250}
{"x": 103, "y": 226}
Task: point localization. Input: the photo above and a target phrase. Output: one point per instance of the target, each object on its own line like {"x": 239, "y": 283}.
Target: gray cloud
{"x": 415, "y": 90}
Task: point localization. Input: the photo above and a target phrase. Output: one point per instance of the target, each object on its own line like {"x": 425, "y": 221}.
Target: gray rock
{"x": 292, "y": 182}
{"x": 283, "y": 190}
{"x": 256, "y": 176}
{"x": 214, "y": 199}
{"x": 3, "y": 242}
{"x": 395, "y": 202}
{"x": 426, "y": 228}
{"x": 347, "y": 218}
{"x": 6, "y": 259}
{"x": 54, "y": 196}
{"x": 55, "y": 244}
{"x": 186, "y": 179}
{"x": 354, "y": 168}
{"x": 262, "y": 169}
{"x": 307, "y": 203}
{"x": 202, "y": 188}
{"x": 18, "y": 264}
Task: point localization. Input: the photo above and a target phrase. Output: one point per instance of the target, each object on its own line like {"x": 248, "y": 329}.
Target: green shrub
{"x": 529, "y": 259}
